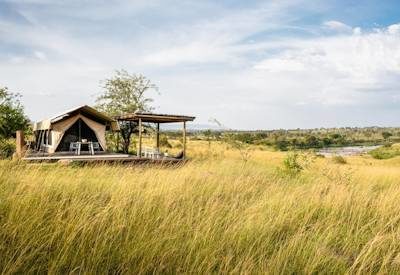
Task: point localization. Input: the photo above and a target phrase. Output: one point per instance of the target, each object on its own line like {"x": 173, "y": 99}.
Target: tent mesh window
{"x": 78, "y": 131}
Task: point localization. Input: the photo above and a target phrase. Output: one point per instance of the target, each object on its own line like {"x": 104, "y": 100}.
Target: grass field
{"x": 217, "y": 213}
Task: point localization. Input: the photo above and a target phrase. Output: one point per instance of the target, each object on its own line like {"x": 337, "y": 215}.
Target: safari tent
{"x": 55, "y": 134}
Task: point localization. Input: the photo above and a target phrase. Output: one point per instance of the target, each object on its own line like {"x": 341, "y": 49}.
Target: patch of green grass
{"x": 385, "y": 152}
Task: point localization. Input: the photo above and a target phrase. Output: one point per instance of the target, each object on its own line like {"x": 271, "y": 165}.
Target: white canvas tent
{"x": 82, "y": 122}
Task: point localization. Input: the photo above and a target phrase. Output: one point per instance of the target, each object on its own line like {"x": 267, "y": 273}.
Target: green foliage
{"x": 12, "y": 117}
{"x": 386, "y": 135}
{"x": 125, "y": 93}
{"x": 7, "y": 148}
{"x": 387, "y": 144}
{"x": 285, "y": 140}
{"x": 385, "y": 152}
{"x": 339, "y": 159}
{"x": 292, "y": 163}
{"x": 281, "y": 144}
{"x": 164, "y": 141}
{"x": 295, "y": 162}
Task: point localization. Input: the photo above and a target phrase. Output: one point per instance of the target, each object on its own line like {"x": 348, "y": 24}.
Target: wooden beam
{"x": 139, "y": 152}
{"x": 184, "y": 139}
{"x": 154, "y": 118}
{"x": 158, "y": 136}
{"x": 118, "y": 133}
{"x": 20, "y": 146}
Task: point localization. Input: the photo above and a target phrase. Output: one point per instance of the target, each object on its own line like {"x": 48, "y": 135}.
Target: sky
{"x": 248, "y": 64}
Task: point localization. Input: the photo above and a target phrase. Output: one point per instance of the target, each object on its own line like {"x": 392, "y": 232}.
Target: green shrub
{"x": 380, "y": 154}
{"x": 385, "y": 152}
{"x": 7, "y": 148}
{"x": 387, "y": 144}
{"x": 292, "y": 164}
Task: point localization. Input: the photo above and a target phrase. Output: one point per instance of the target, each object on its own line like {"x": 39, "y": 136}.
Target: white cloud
{"x": 394, "y": 29}
{"x": 212, "y": 65}
{"x": 40, "y": 55}
{"x": 286, "y": 64}
{"x": 343, "y": 66}
{"x": 338, "y": 26}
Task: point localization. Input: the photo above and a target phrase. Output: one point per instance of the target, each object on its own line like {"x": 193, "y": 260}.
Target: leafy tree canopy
{"x": 12, "y": 117}
{"x": 126, "y": 93}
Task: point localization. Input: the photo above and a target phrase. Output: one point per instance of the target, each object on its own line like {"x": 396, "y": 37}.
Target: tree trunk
{"x": 127, "y": 143}
{"x": 127, "y": 129}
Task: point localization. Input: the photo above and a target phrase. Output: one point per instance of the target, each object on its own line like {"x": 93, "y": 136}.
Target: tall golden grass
{"x": 217, "y": 213}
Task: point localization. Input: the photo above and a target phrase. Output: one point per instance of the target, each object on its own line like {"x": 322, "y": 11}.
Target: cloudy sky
{"x": 249, "y": 64}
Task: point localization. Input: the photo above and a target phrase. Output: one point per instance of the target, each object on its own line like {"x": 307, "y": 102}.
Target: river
{"x": 347, "y": 151}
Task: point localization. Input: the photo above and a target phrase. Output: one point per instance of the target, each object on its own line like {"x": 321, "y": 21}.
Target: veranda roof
{"x": 154, "y": 118}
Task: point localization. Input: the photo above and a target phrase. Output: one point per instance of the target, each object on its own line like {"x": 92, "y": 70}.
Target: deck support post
{"x": 20, "y": 144}
{"x": 184, "y": 140}
{"x": 139, "y": 152}
{"x": 158, "y": 136}
{"x": 118, "y": 133}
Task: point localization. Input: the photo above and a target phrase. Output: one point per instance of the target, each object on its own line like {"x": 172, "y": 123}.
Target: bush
{"x": 382, "y": 154}
{"x": 292, "y": 164}
{"x": 282, "y": 144}
{"x": 385, "y": 152}
{"x": 7, "y": 148}
{"x": 164, "y": 141}
{"x": 339, "y": 159}
{"x": 387, "y": 144}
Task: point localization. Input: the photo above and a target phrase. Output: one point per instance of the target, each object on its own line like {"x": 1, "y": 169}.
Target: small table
{"x": 88, "y": 143}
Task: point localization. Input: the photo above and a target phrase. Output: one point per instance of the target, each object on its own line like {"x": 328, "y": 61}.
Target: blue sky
{"x": 249, "y": 64}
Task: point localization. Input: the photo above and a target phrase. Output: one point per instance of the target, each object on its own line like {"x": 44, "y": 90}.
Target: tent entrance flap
{"x": 78, "y": 131}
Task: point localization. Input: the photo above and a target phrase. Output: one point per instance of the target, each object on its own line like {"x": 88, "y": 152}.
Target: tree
{"x": 386, "y": 135}
{"x": 125, "y": 93}
{"x": 12, "y": 117}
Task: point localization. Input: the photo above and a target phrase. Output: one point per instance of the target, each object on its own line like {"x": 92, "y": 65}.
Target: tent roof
{"x": 45, "y": 124}
{"x": 155, "y": 118}
{"x": 86, "y": 109}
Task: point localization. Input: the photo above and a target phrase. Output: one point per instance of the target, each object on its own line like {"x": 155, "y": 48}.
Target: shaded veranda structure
{"x": 157, "y": 119}
{"x": 53, "y": 137}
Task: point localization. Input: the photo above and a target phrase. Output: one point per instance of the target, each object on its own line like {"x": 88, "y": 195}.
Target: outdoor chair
{"x": 30, "y": 145}
{"x": 74, "y": 147}
{"x": 150, "y": 152}
{"x": 95, "y": 146}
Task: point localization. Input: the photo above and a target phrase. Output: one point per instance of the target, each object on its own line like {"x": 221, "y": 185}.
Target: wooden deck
{"x": 98, "y": 158}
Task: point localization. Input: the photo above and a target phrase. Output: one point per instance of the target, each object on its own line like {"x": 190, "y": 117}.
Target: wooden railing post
{"x": 158, "y": 136}
{"x": 184, "y": 139}
{"x": 139, "y": 152}
{"x": 20, "y": 144}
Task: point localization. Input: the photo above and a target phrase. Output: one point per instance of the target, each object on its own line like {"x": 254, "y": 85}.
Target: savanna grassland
{"x": 223, "y": 212}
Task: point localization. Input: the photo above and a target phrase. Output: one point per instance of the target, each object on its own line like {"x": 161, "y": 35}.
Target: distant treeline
{"x": 303, "y": 138}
